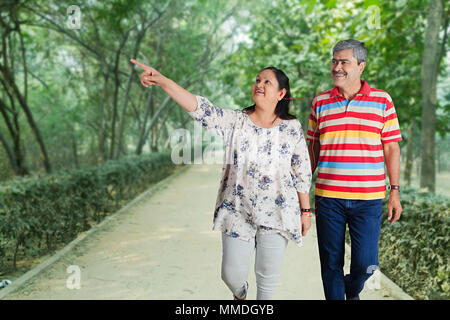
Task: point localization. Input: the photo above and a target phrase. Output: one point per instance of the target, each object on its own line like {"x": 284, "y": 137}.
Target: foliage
{"x": 83, "y": 92}
{"x": 298, "y": 37}
{"x": 414, "y": 251}
{"x": 78, "y": 93}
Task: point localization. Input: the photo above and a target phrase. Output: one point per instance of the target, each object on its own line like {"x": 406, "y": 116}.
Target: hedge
{"x": 37, "y": 213}
{"x": 414, "y": 251}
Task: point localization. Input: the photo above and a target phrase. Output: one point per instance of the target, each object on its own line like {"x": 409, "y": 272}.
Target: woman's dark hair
{"x": 282, "y": 108}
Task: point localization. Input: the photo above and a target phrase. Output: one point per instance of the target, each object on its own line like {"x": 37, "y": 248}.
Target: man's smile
{"x": 339, "y": 74}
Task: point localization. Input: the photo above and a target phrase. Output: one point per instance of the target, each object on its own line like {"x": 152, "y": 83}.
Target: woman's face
{"x": 265, "y": 90}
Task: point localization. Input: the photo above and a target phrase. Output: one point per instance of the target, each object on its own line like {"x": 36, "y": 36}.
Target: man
{"x": 351, "y": 127}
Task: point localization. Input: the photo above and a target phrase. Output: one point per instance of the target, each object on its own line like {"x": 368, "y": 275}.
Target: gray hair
{"x": 359, "y": 49}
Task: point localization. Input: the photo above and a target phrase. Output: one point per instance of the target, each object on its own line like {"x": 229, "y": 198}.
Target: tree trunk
{"x": 140, "y": 37}
{"x": 29, "y": 116}
{"x": 148, "y": 103}
{"x": 438, "y": 158}
{"x": 154, "y": 130}
{"x": 114, "y": 115}
{"x": 74, "y": 149}
{"x": 409, "y": 153}
{"x": 103, "y": 154}
{"x": 430, "y": 68}
{"x": 10, "y": 154}
{"x": 15, "y": 154}
{"x": 123, "y": 116}
{"x": 157, "y": 132}
{"x": 9, "y": 83}
{"x": 116, "y": 96}
{"x": 149, "y": 108}
{"x": 154, "y": 139}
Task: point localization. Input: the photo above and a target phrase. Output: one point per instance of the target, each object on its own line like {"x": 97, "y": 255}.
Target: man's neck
{"x": 350, "y": 91}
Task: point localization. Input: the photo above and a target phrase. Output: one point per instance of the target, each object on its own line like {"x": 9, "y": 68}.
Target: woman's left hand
{"x": 306, "y": 224}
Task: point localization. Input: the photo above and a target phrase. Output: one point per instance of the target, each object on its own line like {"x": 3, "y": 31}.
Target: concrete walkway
{"x": 162, "y": 247}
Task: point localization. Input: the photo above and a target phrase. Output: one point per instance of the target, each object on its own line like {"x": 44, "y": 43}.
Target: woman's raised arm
{"x": 151, "y": 76}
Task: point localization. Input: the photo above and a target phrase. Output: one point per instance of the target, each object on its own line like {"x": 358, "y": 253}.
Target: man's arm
{"x": 392, "y": 158}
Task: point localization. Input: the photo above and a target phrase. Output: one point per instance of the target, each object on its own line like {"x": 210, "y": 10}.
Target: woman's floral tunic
{"x": 263, "y": 170}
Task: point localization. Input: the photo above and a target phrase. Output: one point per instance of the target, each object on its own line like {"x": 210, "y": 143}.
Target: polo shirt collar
{"x": 365, "y": 90}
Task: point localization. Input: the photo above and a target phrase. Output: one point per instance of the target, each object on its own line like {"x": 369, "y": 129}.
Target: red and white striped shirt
{"x": 351, "y": 134}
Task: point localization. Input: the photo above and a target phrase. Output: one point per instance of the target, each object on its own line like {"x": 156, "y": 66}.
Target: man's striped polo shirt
{"x": 351, "y": 134}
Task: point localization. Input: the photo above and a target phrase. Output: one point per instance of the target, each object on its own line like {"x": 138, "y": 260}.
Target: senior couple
{"x": 263, "y": 199}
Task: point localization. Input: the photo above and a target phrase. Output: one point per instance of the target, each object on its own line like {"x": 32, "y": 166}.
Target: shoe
{"x": 353, "y": 298}
{"x": 243, "y": 298}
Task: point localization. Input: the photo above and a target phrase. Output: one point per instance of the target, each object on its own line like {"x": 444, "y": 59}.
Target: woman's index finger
{"x": 139, "y": 64}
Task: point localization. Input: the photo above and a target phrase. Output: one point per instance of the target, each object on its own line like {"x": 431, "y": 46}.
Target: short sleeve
{"x": 312, "y": 133}
{"x": 391, "y": 129}
{"x": 301, "y": 166}
{"x": 212, "y": 118}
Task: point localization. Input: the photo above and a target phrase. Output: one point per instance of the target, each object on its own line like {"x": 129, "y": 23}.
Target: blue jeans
{"x": 364, "y": 223}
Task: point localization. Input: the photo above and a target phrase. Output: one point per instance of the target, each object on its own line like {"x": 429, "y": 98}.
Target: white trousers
{"x": 236, "y": 258}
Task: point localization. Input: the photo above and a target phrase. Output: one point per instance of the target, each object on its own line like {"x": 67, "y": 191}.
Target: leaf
{"x": 368, "y": 3}
{"x": 331, "y": 4}
{"x": 310, "y": 7}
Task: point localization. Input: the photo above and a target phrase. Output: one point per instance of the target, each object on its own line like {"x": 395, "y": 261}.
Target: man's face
{"x": 345, "y": 70}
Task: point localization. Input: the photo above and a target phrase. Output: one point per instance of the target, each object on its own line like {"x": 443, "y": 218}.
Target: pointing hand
{"x": 150, "y": 75}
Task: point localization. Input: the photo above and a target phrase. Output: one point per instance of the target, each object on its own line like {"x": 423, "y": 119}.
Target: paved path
{"x": 163, "y": 247}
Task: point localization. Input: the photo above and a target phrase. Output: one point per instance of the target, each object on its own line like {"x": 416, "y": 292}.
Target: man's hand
{"x": 306, "y": 224}
{"x": 394, "y": 206}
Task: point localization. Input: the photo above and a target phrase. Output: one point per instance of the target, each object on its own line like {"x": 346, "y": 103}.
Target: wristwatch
{"x": 394, "y": 187}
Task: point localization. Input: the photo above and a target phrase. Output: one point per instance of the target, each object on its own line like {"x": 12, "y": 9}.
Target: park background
{"x": 80, "y": 137}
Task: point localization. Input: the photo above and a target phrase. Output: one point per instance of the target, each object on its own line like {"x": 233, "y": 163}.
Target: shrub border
{"x": 19, "y": 282}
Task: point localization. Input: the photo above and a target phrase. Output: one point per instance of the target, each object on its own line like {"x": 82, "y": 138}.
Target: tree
{"x": 431, "y": 59}
{"x": 11, "y": 27}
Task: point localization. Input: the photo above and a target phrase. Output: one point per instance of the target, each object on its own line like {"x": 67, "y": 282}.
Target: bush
{"x": 53, "y": 209}
{"x": 414, "y": 251}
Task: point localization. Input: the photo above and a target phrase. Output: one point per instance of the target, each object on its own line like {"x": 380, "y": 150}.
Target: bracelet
{"x": 306, "y": 211}
{"x": 394, "y": 187}
{"x": 308, "y": 214}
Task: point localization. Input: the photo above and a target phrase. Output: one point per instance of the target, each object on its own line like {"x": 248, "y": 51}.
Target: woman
{"x": 265, "y": 175}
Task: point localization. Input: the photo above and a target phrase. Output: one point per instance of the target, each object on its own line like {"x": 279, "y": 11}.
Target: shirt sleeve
{"x": 301, "y": 166}
{"x": 212, "y": 118}
{"x": 391, "y": 129}
{"x": 312, "y": 133}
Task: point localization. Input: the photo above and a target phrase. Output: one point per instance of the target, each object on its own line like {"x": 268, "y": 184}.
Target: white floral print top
{"x": 263, "y": 170}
